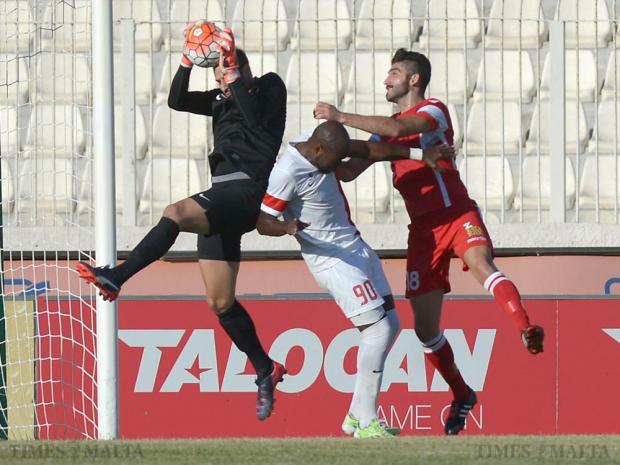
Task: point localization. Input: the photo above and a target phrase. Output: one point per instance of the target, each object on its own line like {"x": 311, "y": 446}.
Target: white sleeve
{"x": 279, "y": 193}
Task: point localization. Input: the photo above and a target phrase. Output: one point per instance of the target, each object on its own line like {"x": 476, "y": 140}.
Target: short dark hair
{"x": 242, "y": 58}
{"x": 418, "y": 64}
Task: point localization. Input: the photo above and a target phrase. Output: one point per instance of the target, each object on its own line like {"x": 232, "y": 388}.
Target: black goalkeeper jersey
{"x": 247, "y": 127}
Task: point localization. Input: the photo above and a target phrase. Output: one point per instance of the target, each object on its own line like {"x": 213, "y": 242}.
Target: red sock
{"x": 439, "y": 352}
{"x": 507, "y": 296}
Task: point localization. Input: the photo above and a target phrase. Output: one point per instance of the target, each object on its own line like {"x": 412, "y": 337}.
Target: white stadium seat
{"x": 145, "y": 13}
{"x": 299, "y": 119}
{"x": 14, "y": 82}
{"x": 608, "y": 128}
{"x": 16, "y": 26}
{"x": 492, "y": 85}
{"x": 185, "y": 11}
{"x": 576, "y": 128}
{"x": 67, "y": 27}
{"x": 591, "y": 34}
{"x": 262, "y": 63}
{"x": 370, "y": 190}
{"x": 313, "y": 76}
{"x": 535, "y": 181}
{"x": 179, "y": 134}
{"x": 140, "y": 132}
{"x": 63, "y": 77}
{"x": 55, "y": 130}
{"x": 368, "y": 71}
{"x": 516, "y": 23}
{"x": 584, "y": 76}
{"x": 611, "y": 87}
{"x": 143, "y": 77}
{"x": 332, "y": 31}
{"x": 439, "y": 33}
{"x": 384, "y": 24}
{"x": 261, "y": 25}
{"x": 168, "y": 180}
{"x": 502, "y": 134}
{"x": 450, "y": 78}
{"x": 8, "y": 187}
{"x": 608, "y": 181}
{"x": 9, "y": 132}
{"x": 483, "y": 177}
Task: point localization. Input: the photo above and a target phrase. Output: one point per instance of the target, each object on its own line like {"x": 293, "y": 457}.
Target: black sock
{"x": 152, "y": 247}
{"x": 239, "y": 326}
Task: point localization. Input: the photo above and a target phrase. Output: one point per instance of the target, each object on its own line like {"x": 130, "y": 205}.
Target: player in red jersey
{"x": 444, "y": 220}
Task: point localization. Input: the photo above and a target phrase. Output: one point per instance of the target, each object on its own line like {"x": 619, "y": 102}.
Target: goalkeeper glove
{"x": 225, "y": 41}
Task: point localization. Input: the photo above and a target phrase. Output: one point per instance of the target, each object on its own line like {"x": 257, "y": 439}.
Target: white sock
{"x": 376, "y": 342}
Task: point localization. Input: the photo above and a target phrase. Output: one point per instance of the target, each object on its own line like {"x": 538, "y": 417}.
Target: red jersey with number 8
{"x": 425, "y": 189}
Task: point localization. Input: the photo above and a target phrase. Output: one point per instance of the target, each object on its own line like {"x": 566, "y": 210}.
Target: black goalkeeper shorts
{"x": 232, "y": 208}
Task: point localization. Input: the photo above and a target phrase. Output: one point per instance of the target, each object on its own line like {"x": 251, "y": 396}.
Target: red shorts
{"x": 433, "y": 238}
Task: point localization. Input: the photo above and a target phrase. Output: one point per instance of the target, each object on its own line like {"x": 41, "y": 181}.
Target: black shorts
{"x": 232, "y": 209}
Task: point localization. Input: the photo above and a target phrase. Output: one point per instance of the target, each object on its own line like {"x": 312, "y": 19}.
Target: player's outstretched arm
{"x": 380, "y": 125}
{"x": 269, "y": 225}
{"x": 383, "y": 151}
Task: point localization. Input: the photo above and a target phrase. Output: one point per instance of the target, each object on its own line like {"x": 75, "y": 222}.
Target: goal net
{"x": 48, "y": 387}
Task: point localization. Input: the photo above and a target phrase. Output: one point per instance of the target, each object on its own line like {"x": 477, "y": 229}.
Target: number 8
{"x": 413, "y": 280}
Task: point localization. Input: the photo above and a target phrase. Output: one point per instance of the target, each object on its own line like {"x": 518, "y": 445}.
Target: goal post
{"x": 105, "y": 214}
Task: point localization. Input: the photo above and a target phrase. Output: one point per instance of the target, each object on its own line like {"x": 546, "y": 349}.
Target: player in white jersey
{"x": 305, "y": 191}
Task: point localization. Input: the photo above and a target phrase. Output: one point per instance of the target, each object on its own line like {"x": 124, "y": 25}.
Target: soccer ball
{"x": 200, "y": 46}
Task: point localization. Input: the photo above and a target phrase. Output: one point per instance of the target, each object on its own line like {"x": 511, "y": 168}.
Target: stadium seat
{"x": 330, "y": 17}
{"x": 261, "y": 25}
{"x": 143, "y": 77}
{"x": 483, "y": 176}
{"x": 8, "y": 187}
{"x": 584, "y": 76}
{"x": 491, "y": 86}
{"x": 449, "y": 71}
{"x": 608, "y": 128}
{"x": 608, "y": 181}
{"x": 456, "y": 126}
{"x": 148, "y": 23}
{"x": 55, "y": 130}
{"x": 178, "y": 134}
{"x": 576, "y": 129}
{"x": 452, "y": 33}
{"x": 201, "y": 79}
{"x": 10, "y": 137}
{"x": 14, "y": 80}
{"x": 299, "y": 119}
{"x": 140, "y": 132}
{"x": 185, "y": 11}
{"x": 509, "y": 127}
{"x": 46, "y": 188}
{"x": 592, "y": 33}
{"x": 313, "y": 76}
{"x": 370, "y": 190}
{"x": 168, "y": 180}
{"x": 263, "y": 63}
{"x": 63, "y": 77}
{"x": 67, "y": 27}
{"x": 516, "y": 23}
{"x": 368, "y": 71}
{"x": 535, "y": 181}
{"x": 384, "y": 24}
{"x": 16, "y": 26}
{"x": 611, "y": 87}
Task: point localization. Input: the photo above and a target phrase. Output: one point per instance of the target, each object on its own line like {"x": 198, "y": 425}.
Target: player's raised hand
{"x": 294, "y": 226}
{"x": 229, "y": 64}
{"x": 326, "y": 111}
{"x": 433, "y": 154}
{"x": 186, "y": 62}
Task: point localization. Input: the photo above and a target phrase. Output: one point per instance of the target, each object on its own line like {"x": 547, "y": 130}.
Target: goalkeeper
{"x": 248, "y": 123}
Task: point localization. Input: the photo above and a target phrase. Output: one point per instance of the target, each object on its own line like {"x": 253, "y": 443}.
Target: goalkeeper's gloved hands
{"x": 229, "y": 65}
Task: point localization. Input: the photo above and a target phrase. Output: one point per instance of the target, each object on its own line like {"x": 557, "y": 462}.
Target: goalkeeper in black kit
{"x": 248, "y": 123}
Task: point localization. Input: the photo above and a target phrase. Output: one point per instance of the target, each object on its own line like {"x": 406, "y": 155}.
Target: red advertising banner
{"x": 180, "y": 376}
